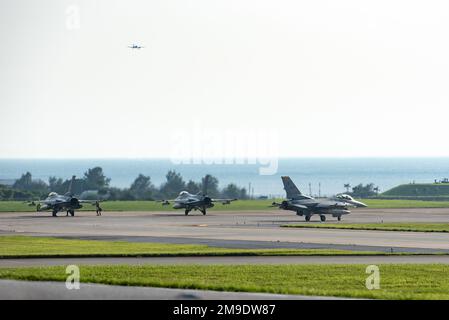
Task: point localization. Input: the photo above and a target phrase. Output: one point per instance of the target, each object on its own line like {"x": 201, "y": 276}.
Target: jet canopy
{"x": 52, "y": 194}
{"x": 345, "y": 197}
{"x": 183, "y": 194}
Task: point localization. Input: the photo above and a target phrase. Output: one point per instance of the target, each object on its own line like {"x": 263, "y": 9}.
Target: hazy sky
{"x": 298, "y": 78}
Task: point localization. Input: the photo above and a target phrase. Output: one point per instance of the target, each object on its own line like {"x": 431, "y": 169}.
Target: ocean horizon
{"x": 316, "y": 176}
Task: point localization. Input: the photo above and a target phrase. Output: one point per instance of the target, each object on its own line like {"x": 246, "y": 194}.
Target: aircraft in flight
{"x": 307, "y": 206}
{"x": 67, "y": 202}
{"x": 135, "y": 46}
{"x": 200, "y": 201}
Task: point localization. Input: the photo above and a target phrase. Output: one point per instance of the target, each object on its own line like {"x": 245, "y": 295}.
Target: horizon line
{"x": 223, "y": 158}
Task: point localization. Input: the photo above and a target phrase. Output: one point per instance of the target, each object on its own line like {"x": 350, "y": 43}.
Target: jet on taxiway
{"x": 67, "y": 202}
{"x": 200, "y": 201}
{"x": 307, "y": 206}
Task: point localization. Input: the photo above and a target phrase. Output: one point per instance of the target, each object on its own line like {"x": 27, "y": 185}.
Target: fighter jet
{"x": 135, "y": 46}
{"x": 307, "y": 206}
{"x": 200, "y": 201}
{"x": 67, "y": 202}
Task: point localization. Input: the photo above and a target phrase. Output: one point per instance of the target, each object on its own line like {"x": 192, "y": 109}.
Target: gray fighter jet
{"x": 200, "y": 201}
{"x": 67, "y": 202}
{"x": 307, "y": 206}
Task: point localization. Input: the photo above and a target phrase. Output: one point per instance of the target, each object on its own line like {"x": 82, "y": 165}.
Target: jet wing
{"x": 165, "y": 202}
{"x": 92, "y": 202}
{"x": 224, "y": 201}
{"x": 51, "y": 202}
{"x": 298, "y": 206}
{"x": 34, "y": 202}
{"x": 286, "y": 205}
{"x": 332, "y": 205}
{"x": 56, "y": 203}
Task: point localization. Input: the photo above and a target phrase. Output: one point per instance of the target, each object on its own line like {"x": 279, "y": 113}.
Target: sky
{"x": 224, "y": 78}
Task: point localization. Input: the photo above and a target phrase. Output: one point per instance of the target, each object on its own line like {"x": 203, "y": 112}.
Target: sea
{"x": 315, "y": 176}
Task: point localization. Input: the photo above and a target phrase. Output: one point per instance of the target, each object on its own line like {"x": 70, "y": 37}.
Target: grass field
{"x": 387, "y": 203}
{"x": 419, "y": 189}
{"x": 390, "y": 226}
{"x": 241, "y": 205}
{"x": 33, "y": 247}
{"x": 19, "y": 206}
{"x": 400, "y": 281}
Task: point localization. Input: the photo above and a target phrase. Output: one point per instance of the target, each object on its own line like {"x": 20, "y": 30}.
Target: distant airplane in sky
{"x": 135, "y": 46}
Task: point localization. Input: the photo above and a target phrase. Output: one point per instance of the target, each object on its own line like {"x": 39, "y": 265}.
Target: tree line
{"x": 142, "y": 188}
{"x": 362, "y": 191}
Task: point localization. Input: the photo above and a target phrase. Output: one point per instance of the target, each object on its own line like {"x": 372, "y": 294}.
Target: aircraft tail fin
{"x": 69, "y": 190}
{"x": 290, "y": 188}
{"x": 205, "y": 184}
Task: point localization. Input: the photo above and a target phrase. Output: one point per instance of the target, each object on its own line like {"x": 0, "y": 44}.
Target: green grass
{"x": 419, "y": 189}
{"x": 397, "y": 281}
{"x": 240, "y": 205}
{"x": 389, "y": 226}
{"x": 387, "y": 203}
{"x": 33, "y": 247}
{"x": 15, "y": 206}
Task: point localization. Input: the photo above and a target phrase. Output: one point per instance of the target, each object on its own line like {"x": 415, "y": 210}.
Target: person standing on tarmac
{"x": 98, "y": 208}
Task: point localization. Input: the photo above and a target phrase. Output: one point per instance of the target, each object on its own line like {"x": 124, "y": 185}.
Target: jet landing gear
{"x": 203, "y": 211}
{"x": 339, "y": 218}
{"x": 307, "y": 218}
{"x": 54, "y": 213}
{"x": 323, "y": 218}
{"x": 71, "y": 212}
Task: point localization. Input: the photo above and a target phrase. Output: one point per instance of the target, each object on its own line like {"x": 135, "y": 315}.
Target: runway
{"x": 46, "y": 290}
{"x": 239, "y": 260}
{"x": 220, "y": 229}
{"x": 236, "y": 229}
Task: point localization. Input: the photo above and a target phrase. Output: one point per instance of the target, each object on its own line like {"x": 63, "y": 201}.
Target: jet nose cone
{"x": 360, "y": 204}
